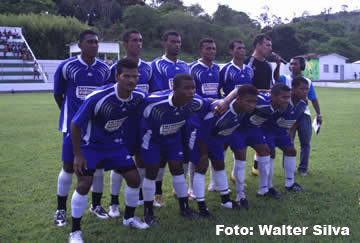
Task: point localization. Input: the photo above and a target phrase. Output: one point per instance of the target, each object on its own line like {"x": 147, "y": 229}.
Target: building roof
{"x": 318, "y": 55}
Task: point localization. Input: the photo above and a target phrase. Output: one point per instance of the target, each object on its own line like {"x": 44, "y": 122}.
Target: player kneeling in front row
{"x": 164, "y": 114}
{"x": 97, "y": 138}
{"x": 214, "y": 132}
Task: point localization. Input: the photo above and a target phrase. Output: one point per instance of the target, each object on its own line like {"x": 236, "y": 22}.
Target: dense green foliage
{"x": 325, "y": 33}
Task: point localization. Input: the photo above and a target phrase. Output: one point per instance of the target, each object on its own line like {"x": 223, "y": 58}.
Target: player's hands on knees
{"x": 220, "y": 107}
{"x": 79, "y": 164}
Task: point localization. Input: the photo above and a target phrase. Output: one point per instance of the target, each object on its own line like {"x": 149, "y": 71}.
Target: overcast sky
{"x": 281, "y": 8}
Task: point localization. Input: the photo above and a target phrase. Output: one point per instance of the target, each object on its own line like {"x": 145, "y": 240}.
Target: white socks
{"x": 131, "y": 196}
{"x": 185, "y": 167}
{"x": 289, "y": 166}
{"x": 64, "y": 183}
{"x": 180, "y": 186}
{"x": 115, "y": 183}
{"x": 199, "y": 187}
{"x": 221, "y": 181}
{"x": 239, "y": 174}
{"x": 98, "y": 181}
{"x": 148, "y": 189}
{"x": 263, "y": 166}
{"x": 78, "y": 204}
{"x": 191, "y": 176}
{"x": 212, "y": 177}
{"x": 271, "y": 173}
{"x": 141, "y": 172}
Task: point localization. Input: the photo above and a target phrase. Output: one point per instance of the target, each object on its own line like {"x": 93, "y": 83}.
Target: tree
{"x": 195, "y": 10}
{"x": 29, "y": 6}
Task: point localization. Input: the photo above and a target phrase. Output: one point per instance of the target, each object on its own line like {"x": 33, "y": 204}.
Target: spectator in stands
{"x": 9, "y": 33}
{"x": 36, "y": 70}
{"x": 5, "y": 49}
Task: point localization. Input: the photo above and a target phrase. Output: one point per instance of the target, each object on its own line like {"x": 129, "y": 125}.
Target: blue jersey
{"x": 74, "y": 79}
{"x": 163, "y": 119}
{"x": 164, "y": 71}
{"x": 144, "y": 76}
{"x": 221, "y": 125}
{"x": 231, "y": 77}
{"x": 206, "y": 79}
{"x": 287, "y": 79}
{"x": 102, "y": 115}
{"x": 280, "y": 123}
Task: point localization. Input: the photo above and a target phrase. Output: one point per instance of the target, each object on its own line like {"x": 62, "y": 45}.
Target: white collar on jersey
{"x": 168, "y": 60}
{"x": 170, "y": 99}
{"x": 117, "y": 95}
{"x": 83, "y": 62}
{"x": 236, "y": 66}
{"x": 232, "y": 107}
{"x": 204, "y": 65}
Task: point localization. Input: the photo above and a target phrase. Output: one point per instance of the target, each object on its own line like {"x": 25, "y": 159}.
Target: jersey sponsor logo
{"x": 210, "y": 88}
{"x": 143, "y": 87}
{"x": 281, "y": 122}
{"x": 257, "y": 120}
{"x": 83, "y": 91}
{"x": 228, "y": 131}
{"x": 113, "y": 125}
{"x": 171, "y": 83}
{"x": 172, "y": 128}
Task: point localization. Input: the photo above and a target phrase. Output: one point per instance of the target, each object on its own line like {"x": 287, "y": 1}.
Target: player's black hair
{"x": 297, "y": 81}
{"x": 127, "y": 33}
{"x": 205, "y": 40}
{"x": 168, "y": 33}
{"x": 259, "y": 39}
{"x": 278, "y": 88}
{"x": 181, "y": 77}
{"x": 232, "y": 44}
{"x": 125, "y": 63}
{"x": 247, "y": 89}
{"x": 86, "y": 32}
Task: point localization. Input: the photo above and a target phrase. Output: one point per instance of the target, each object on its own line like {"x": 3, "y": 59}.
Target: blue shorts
{"x": 110, "y": 158}
{"x": 170, "y": 148}
{"x": 273, "y": 141}
{"x": 67, "y": 148}
{"x": 242, "y": 138}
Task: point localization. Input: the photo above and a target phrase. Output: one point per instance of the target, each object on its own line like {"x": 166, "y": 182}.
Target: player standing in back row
{"x": 74, "y": 79}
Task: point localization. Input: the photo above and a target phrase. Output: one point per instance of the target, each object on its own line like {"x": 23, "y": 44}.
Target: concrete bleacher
{"x": 17, "y": 74}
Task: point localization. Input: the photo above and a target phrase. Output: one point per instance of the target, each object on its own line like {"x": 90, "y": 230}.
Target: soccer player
{"x": 164, "y": 115}
{"x": 277, "y": 129}
{"x": 297, "y": 65}
{"x": 213, "y": 133}
{"x": 75, "y": 78}
{"x": 233, "y": 75}
{"x": 206, "y": 75}
{"x": 262, "y": 78}
{"x": 164, "y": 70}
{"x": 132, "y": 43}
{"x": 97, "y": 137}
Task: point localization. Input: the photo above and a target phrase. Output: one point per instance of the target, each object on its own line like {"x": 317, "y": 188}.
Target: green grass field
{"x": 30, "y": 151}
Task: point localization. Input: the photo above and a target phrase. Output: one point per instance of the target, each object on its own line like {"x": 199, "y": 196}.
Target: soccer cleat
{"x": 189, "y": 213}
{"x": 231, "y": 205}
{"x": 205, "y": 214}
{"x": 302, "y": 173}
{"x": 114, "y": 211}
{"x": 150, "y": 220}
{"x": 140, "y": 203}
{"x": 135, "y": 222}
{"x": 159, "y": 201}
{"x": 60, "y": 218}
{"x": 273, "y": 193}
{"x": 294, "y": 188}
{"x": 99, "y": 211}
{"x": 254, "y": 172}
{"x": 212, "y": 187}
{"x": 76, "y": 237}
{"x": 244, "y": 203}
